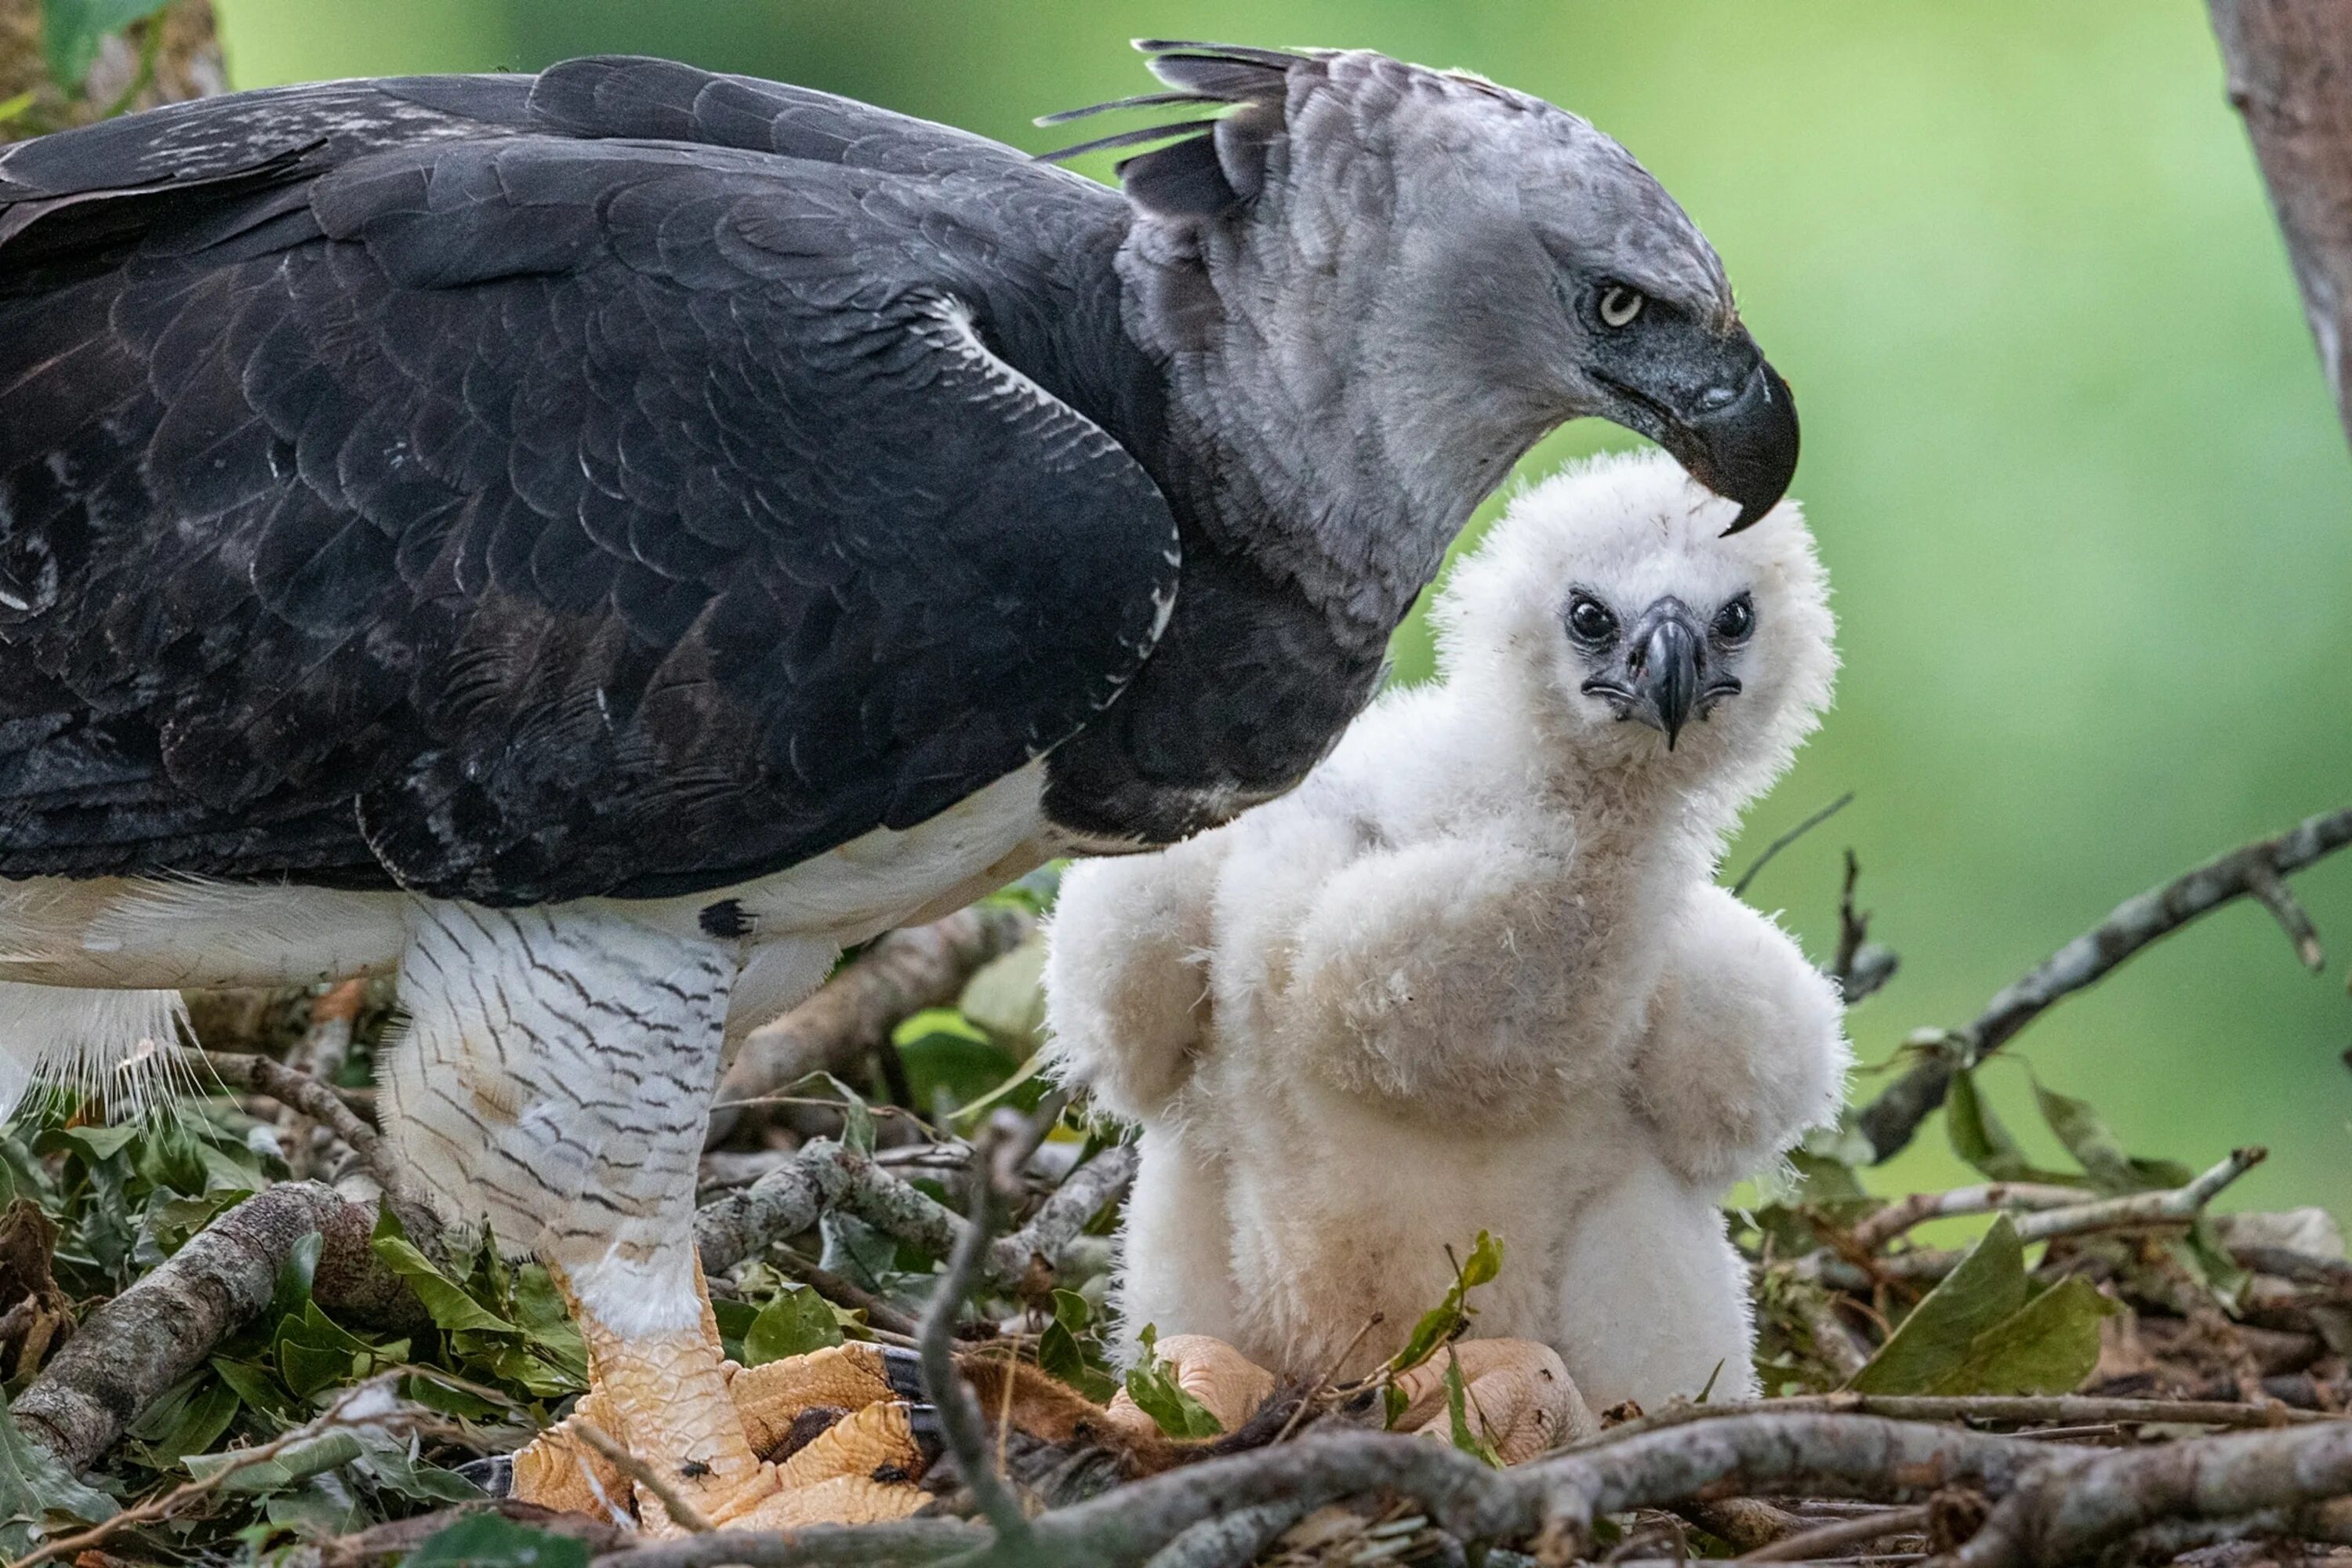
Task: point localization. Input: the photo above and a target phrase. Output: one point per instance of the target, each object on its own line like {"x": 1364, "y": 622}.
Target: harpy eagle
{"x": 595, "y": 543}
{"x": 1475, "y": 974}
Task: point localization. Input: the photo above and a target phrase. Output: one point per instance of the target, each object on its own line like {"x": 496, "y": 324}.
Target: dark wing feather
{"x": 520, "y": 518}
{"x": 1214, "y": 164}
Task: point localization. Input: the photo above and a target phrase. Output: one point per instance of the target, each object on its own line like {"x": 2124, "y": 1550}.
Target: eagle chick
{"x": 1475, "y": 972}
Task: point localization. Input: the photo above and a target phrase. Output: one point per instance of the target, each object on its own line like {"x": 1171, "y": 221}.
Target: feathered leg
{"x": 556, "y": 1082}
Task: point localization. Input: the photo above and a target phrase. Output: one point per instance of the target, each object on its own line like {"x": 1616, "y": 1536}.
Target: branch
{"x": 2288, "y": 61}
{"x": 2050, "y": 1409}
{"x": 1739, "y": 888}
{"x": 851, "y": 1015}
{"x": 368, "y": 1404}
{"x": 2175, "y": 1205}
{"x": 137, "y": 1345}
{"x": 1896, "y": 1218}
{"x": 1831, "y": 1540}
{"x": 2080, "y": 1503}
{"x": 1890, "y": 1120}
{"x": 298, "y": 1090}
{"x": 824, "y": 1175}
{"x": 961, "y": 1424}
{"x": 1026, "y": 1261}
{"x": 818, "y": 1546}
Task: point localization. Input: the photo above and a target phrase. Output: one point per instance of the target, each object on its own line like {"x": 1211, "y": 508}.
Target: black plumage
{"x": 525, "y": 490}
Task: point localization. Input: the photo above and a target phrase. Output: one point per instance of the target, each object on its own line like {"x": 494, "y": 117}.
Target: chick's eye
{"x": 1736, "y": 619}
{"x": 1589, "y": 620}
{"x": 1618, "y": 306}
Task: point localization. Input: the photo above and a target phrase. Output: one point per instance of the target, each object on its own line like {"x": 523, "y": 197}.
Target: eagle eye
{"x": 1618, "y": 306}
{"x": 1590, "y": 622}
{"x": 1736, "y": 619}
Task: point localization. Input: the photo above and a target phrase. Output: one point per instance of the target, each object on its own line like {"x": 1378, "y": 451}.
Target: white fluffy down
{"x": 1475, "y": 974}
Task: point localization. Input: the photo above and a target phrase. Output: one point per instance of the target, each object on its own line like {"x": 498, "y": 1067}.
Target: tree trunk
{"x": 2290, "y": 74}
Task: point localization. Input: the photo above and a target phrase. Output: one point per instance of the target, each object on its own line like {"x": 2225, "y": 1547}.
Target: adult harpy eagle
{"x": 598, "y": 543}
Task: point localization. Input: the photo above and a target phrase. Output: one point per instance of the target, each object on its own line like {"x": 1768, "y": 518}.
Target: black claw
{"x": 931, "y": 1439}
{"x": 903, "y": 1369}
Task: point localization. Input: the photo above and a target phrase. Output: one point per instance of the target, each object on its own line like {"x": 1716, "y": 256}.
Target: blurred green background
{"x": 2067, "y": 450}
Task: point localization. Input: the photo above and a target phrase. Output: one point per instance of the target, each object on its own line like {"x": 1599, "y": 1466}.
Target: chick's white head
{"x": 1609, "y": 613}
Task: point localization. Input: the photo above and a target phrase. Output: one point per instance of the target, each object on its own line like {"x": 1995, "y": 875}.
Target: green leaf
{"x": 95, "y": 1145}
{"x": 11, "y": 108}
{"x": 70, "y": 31}
{"x": 189, "y": 1419}
{"x": 2099, "y": 1152}
{"x": 959, "y": 1062}
{"x": 797, "y": 1321}
{"x": 1156, "y": 1392}
{"x": 1451, "y": 1317}
{"x": 338, "y": 1446}
{"x": 1059, "y": 1352}
{"x": 1072, "y": 1311}
{"x": 1393, "y": 1405}
{"x": 1485, "y": 1261}
{"x": 1986, "y": 1287}
{"x": 1007, "y": 997}
{"x": 36, "y": 1489}
{"x": 735, "y": 1320}
{"x": 447, "y": 1304}
{"x": 857, "y": 1121}
{"x": 2048, "y": 1346}
{"x": 1979, "y": 1137}
{"x": 1977, "y": 1332}
{"x": 486, "y": 1540}
{"x": 1457, "y": 1415}
{"x": 257, "y": 1386}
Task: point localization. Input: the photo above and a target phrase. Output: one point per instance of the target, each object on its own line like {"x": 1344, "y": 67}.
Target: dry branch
{"x": 2079, "y": 1503}
{"x": 1876, "y": 1230}
{"x": 2288, "y": 62}
{"x": 961, "y": 1424}
{"x": 139, "y": 1344}
{"x": 851, "y": 1015}
{"x": 2055, "y": 1409}
{"x": 1890, "y": 1120}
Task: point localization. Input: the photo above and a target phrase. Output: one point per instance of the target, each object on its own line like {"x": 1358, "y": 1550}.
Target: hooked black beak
{"x": 1741, "y": 443}
{"x": 1664, "y": 664}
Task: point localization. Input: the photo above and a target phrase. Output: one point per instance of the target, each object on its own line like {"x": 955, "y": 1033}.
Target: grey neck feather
{"x": 1335, "y": 455}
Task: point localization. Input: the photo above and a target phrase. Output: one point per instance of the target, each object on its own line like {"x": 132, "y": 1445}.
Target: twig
{"x": 1896, "y": 1218}
{"x": 961, "y": 1424}
{"x": 1861, "y": 967}
{"x": 2333, "y": 1275}
{"x": 1739, "y": 888}
{"x": 2083, "y": 1501}
{"x": 824, "y": 1175}
{"x": 2175, "y": 1205}
{"x": 1831, "y": 1336}
{"x": 1026, "y": 1259}
{"x": 1315, "y": 1390}
{"x": 2071, "y": 1410}
{"x": 319, "y": 1103}
{"x": 1890, "y": 1120}
{"x": 373, "y": 1403}
{"x": 879, "y": 1313}
{"x": 682, "y": 1509}
{"x": 852, "y": 1012}
{"x": 1829, "y": 1539}
{"x": 816, "y": 1546}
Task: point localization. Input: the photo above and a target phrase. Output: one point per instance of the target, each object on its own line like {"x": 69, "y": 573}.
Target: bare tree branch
{"x": 139, "y": 1344}
{"x": 2081, "y": 1501}
{"x": 1890, "y": 1120}
{"x": 851, "y": 1015}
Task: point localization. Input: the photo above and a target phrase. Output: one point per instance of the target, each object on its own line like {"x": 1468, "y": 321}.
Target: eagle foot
{"x": 831, "y": 1438}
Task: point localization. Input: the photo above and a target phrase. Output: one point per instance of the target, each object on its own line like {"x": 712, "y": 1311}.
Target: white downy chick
{"x": 1476, "y": 972}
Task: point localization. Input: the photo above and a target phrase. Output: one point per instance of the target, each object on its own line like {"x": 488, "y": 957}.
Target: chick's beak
{"x": 1741, "y": 442}
{"x": 1665, "y": 664}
